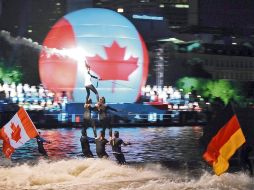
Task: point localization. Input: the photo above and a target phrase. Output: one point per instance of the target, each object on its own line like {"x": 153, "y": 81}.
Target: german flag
{"x": 227, "y": 140}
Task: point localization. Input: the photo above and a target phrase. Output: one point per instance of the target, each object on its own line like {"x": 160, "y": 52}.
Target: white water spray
{"x": 93, "y": 174}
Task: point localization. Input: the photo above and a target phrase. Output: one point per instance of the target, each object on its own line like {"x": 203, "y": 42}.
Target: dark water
{"x": 152, "y": 144}
{"x": 159, "y": 158}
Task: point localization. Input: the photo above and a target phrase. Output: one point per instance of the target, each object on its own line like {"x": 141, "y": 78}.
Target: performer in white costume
{"x": 88, "y": 83}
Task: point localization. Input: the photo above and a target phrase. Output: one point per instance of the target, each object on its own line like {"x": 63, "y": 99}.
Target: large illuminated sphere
{"x": 113, "y": 48}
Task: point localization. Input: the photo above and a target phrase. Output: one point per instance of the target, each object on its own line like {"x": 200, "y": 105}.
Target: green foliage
{"x": 9, "y": 74}
{"x": 211, "y": 89}
{"x": 187, "y": 84}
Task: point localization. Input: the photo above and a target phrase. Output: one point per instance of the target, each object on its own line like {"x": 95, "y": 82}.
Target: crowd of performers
{"x": 104, "y": 121}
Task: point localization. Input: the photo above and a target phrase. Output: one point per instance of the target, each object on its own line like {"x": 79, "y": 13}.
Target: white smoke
{"x": 77, "y": 54}
{"x": 20, "y": 41}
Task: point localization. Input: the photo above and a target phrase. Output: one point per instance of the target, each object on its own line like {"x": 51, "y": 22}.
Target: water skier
{"x": 85, "y": 144}
{"x": 116, "y": 143}
{"x": 40, "y": 142}
{"x": 100, "y": 145}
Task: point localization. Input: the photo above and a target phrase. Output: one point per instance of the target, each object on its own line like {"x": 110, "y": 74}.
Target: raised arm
{"x": 126, "y": 143}
{"x": 86, "y": 64}
{"x": 91, "y": 140}
{"x": 110, "y": 108}
{"x": 94, "y": 76}
{"x": 44, "y": 140}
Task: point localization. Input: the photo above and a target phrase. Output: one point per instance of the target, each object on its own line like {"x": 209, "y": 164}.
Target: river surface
{"x": 158, "y": 158}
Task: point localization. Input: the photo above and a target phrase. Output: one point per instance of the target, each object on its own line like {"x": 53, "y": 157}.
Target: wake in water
{"x": 104, "y": 174}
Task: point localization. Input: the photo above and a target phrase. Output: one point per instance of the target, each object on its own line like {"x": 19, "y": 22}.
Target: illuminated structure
{"x": 33, "y": 19}
{"x": 174, "y": 11}
{"x": 159, "y": 65}
{"x": 153, "y": 18}
{"x": 112, "y": 46}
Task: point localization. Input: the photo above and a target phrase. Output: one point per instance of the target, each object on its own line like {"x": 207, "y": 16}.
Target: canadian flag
{"x": 17, "y": 131}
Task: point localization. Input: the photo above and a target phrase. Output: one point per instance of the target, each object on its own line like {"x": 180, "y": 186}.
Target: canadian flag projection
{"x": 17, "y": 131}
{"x": 113, "y": 69}
{"x": 112, "y": 47}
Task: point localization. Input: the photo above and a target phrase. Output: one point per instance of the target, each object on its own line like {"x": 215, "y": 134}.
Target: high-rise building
{"x": 31, "y": 19}
{"x": 174, "y": 11}
{"x": 232, "y": 15}
{"x": 222, "y": 17}
{"x": 1, "y": 2}
{"x": 73, "y": 5}
{"x": 153, "y": 18}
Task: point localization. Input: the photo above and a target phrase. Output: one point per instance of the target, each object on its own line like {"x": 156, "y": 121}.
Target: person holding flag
{"x": 228, "y": 137}
{"x": 244, "y": 158}
{"x": 88, "y": 82}
{"x": 17, "y": 132}
{"x": 40, "y": 143}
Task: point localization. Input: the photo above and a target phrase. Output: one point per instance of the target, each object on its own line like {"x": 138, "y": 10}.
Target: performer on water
{"x": 245, "y": 160}
{"x": 88, "y": 120}
{"x": 104, "y": 118}
{"x": 100, "y": 145}
{"x": 88, "y": 82}
{"x": 85, "y": 144}
{"x": 116, "y": 143}
{"x": 40, "y": 142}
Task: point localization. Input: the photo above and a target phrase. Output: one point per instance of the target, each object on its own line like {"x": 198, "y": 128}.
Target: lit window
{"x": 58, "y": 4}
{"x": 181, "y": 6}
{"x": 30, "y": 31}
{"x": 120, "y": 10}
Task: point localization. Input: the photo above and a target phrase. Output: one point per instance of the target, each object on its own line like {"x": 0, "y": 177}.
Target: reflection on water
{"x": 152, "y": 144}
{"x": 159, "y": 157}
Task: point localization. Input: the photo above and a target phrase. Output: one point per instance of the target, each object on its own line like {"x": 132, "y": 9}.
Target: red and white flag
{"x": 17, "y": 131}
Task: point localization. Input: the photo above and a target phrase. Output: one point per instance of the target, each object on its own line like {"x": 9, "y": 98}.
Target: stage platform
{"x": 127, "y": 115}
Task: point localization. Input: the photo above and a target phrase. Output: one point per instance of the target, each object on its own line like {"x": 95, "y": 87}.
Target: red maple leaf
{"x": 114, "y": 67}
{"x": 15, "y": 135}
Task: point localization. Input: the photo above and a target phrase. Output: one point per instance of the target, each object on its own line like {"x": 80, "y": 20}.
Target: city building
{"x": 1, "y": 7}
{"x": 73, "y": 5}
{"x": 30, "y": 19}
{"x": 235, "y": 17}
{"x": 229, "y": 67}
{"x": 154, "y": 19}
{"x": 215, "y": 33}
